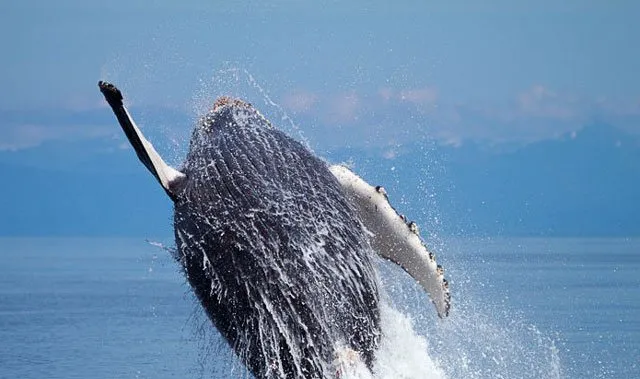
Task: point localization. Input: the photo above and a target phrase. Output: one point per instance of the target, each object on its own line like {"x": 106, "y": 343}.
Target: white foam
{"x": 478, "y": 340}
{"x": 403, "y": 354}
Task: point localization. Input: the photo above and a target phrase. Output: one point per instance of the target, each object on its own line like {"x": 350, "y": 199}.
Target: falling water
{"x": 474, "y": 342}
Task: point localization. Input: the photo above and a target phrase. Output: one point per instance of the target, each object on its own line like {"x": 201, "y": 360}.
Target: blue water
{"x": 583, "y": 294}
{"x": 119, "y": 308}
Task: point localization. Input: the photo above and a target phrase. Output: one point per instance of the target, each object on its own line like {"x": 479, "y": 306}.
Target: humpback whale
{"x": 278, "y": 246}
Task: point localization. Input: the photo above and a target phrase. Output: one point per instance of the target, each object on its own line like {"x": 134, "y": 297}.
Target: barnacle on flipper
{"x": 382, "y": 191}
{"x": 414, "y": 228}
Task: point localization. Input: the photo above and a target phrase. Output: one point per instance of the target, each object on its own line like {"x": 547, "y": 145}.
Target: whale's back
{"x": 272, "y": 248}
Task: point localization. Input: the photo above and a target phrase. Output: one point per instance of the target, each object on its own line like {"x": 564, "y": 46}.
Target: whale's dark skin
{"x": 270, "y": 245}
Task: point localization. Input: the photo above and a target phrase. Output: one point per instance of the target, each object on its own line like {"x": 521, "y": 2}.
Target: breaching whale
{"x": 278, "y": 246}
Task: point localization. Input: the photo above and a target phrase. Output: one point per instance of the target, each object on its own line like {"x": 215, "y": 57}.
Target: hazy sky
{"x": 462, "y": 64}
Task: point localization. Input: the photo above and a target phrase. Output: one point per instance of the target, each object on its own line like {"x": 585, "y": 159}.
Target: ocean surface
{"x": 522, "y": 308}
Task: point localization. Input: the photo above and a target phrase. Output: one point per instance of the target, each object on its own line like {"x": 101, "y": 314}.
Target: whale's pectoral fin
{"x": 170, "y": 178}
{"x": 394, "y": 238}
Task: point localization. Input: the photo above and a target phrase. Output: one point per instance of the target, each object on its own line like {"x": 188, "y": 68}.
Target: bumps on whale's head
{"x": 227, "y": 120}
{"x": 228, "y": 112}
{"x": 223, "y": 101}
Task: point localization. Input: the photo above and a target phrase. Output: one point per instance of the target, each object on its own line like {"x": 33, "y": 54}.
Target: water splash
{"x": 480, "y": 339}
{"x": 235, "y": 81}
{"x": 403, "y": 354}
{"x": 475, "y": 342}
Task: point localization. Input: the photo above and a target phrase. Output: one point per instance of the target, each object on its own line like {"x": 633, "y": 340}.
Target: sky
{"x": 342, "y": 74}
{"x": 462, "y": 65}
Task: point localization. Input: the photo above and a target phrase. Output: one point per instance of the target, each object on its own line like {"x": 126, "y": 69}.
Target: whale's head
{"x": 228, "y": 112}
{"x": 227, "y": 122}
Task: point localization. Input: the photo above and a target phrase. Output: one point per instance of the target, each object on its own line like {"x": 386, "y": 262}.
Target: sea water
{"x": 522, "y": 308}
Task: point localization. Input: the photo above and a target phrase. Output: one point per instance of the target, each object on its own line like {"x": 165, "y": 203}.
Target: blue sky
{"x": 350, "y": 74}
{"x": 512, "y": 63}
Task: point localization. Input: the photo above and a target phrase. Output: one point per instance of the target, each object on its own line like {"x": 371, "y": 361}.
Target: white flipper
{"x": 169, "y": 177}
{"x": 395, "y": 239}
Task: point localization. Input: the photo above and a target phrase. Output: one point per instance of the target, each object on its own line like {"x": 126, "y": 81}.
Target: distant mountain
{"x": 582, "y": 184}
{"x": 586, "y": 184}
{"x": 106, "y": 194}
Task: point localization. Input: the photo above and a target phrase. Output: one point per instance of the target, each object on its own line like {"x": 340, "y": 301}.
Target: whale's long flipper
{"x": 395, "y": 239}
{"x": 170, "y": 179}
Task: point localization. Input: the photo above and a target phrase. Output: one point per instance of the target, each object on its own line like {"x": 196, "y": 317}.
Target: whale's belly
{"x": 275, "y": 253}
